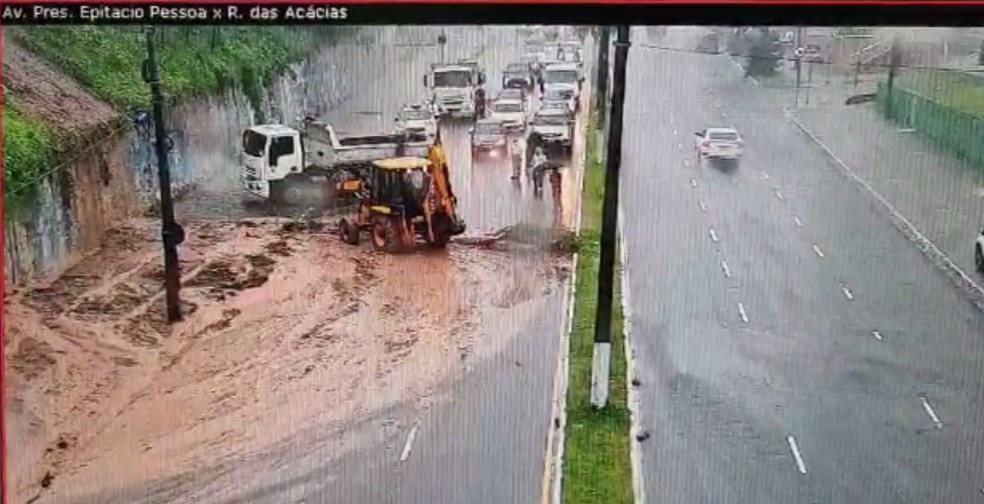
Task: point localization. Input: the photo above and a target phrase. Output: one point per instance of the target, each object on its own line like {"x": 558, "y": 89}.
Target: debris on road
{"x": 276, "y": 315}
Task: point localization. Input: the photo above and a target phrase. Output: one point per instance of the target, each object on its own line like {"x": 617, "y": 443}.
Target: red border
{"x": 786, "y": 3}
{"x": 716, "y": 3}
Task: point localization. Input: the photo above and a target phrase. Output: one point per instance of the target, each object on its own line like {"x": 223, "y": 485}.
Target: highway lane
{"x": 803, "y": 320}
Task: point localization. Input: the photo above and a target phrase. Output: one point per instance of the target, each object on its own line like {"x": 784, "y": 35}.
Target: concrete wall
{"x": 116, "y": 177}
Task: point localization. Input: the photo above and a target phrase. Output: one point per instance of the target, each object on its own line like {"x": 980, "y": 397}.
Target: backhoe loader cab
{"x": 401, "y": 200}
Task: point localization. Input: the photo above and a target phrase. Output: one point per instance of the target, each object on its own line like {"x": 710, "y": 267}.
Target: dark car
{"x": 488, "y": 136}
{"x": 517, "y": 76}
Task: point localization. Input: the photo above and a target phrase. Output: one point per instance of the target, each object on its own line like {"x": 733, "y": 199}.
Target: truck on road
{"x": 453, "y": 86}
{"x": 564, "y": 80}
{"x": 289, "y": 166}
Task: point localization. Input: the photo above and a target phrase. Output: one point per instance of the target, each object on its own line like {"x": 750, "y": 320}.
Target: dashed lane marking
{"x": 703, "y": 207}
{"x": 877, "y": 335}
{"x": 798, "y": 222}
{"x": 818, "y": 251}
{"x": 713, "y": 235}
{"x": 693, "y": 182}
{"x": 796, "y": 454}
{"x": 779, "y": 195}
{"x": 686, "y": 162}
{"x": 725, "y": 268}
{"x": 409, "y": 444}
{"x": 932, "y": 414}
{"x": 742, "y": 313}
{"x": 847, "y": 293}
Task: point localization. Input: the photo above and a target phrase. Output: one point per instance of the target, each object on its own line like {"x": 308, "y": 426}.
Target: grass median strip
{"x": 597, "y": 468}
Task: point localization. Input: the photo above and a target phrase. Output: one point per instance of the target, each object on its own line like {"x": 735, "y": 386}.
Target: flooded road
{"x": 306, "y": 370}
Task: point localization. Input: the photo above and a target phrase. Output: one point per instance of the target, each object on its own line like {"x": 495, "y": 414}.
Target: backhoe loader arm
{"x": 441, "y": 178}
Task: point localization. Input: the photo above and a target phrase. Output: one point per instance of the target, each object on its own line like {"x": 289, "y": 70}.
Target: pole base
{"x": 600, "y": 374}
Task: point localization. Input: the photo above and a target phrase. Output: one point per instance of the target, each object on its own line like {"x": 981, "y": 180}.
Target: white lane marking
{"x": 796, "y": 454}
{"x": 741, "y": 311}
{"x": 680, "y": 146}
{"x": 409, "y": 444}
{"x": 931, "y": 413}
{"x": 686, "y": 162}
{"x": 898, "y": 220}
{"x": 674, "y": 132}
{"x": 723, "y": 115}
{"x": 693, "y": 182}
{"x": 765, "y": 176}
{"x": 798, "y": 222}
{"x": 847, "y": 293}
{"x": 727, "y": 270}
{"x": 703, "y": 207}
{"x": 877, "y": 335}
{"x": 779, "y": 195}
{"x": 714, "y": 235}
{"x": 817, "y": 250}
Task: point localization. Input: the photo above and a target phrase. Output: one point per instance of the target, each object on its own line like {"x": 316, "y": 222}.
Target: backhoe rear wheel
{"x": 385, "y": 235}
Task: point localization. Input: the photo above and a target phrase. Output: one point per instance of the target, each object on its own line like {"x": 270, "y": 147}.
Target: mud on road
{"x": 285, "y": 329}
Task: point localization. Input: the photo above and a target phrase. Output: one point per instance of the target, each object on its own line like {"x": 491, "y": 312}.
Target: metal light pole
{"x": 172, "y": 233}
{"x": 601, "y": 360}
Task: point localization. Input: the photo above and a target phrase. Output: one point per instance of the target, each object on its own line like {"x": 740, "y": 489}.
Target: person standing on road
{"x": 479, "y": 103}
{"x": 516, "y": 153}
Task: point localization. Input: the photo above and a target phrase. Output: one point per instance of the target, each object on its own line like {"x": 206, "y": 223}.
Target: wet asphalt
{"x": 792, "y": 346}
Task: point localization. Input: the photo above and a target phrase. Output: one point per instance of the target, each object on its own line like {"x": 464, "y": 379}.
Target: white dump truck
{"x": 562, "y": 79}
{"x": 452, "y": 87}
{"x": 289, "y": 166}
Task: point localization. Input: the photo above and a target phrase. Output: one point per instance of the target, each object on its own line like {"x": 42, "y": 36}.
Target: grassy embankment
{"x": 597, "y": 467}
{"x": 952, "y": 89}
{"x": 194, "y": 61}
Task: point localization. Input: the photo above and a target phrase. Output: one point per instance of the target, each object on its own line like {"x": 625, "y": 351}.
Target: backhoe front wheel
{"x": 979, "y": 258}
{"x": 385, "y": 235}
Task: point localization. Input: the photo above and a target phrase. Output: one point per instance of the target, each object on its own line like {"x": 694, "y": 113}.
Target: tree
{"x": 763, "y": 53}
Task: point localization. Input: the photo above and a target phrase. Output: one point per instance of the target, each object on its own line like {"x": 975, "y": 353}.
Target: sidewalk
{"x": 940, "y": 195}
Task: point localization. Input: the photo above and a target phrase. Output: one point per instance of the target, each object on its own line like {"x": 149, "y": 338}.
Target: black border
{"x": 832, "y": 14}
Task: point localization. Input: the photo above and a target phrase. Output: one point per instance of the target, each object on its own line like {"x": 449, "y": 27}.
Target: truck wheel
{"x": 385, "y": 236}
{"x": 348, "y": 232}
{"x": 288, "y": 192}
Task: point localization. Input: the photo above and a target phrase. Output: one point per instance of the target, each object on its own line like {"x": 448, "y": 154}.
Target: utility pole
{"x": 601, "y": 361}
{"x": 601, "y": 94}
{"x": 172, "y": 234}
{"x": 895, "y": 60}
{"x": 798, "y": 55}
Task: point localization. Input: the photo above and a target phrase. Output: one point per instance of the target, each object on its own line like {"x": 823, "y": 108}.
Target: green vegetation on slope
{"x": 194, "y": 61}
{"x": 597, "y": 468}
{"x": 27, "y": 155}
{"x": 956, "y": 90}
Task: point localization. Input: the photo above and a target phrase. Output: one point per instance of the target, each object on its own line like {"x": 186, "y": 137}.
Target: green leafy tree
{"x": 763, "y": 53}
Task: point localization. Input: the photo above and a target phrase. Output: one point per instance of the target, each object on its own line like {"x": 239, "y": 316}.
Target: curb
{"x": 635, "y": 453}
{"x": 936, "y": 256}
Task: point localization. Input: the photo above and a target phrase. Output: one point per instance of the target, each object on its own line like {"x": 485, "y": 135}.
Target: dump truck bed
{"x": 326, "y": 148}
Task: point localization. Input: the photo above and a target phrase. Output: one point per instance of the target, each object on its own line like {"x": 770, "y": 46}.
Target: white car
{"x": 979, "y": 252}
{"x": 417, "y": 119}
{"x": 719, "y": 143}
{"x": 511, "y": 112}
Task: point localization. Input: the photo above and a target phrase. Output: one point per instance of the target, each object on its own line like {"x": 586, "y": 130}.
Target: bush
{"x": 27, "y": 156}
